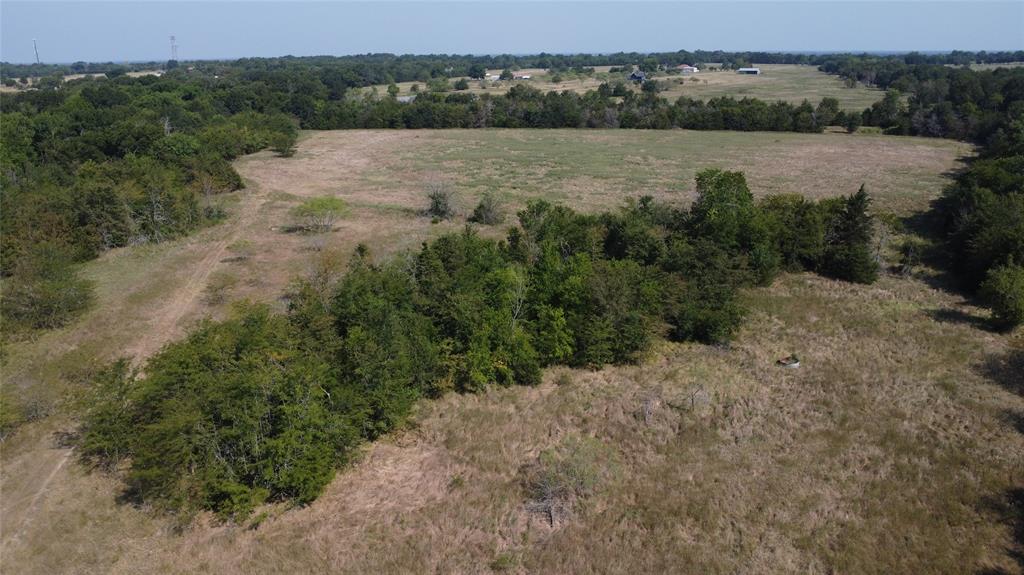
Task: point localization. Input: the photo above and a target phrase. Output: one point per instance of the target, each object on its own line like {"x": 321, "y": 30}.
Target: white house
{"x": 687, "y": 69}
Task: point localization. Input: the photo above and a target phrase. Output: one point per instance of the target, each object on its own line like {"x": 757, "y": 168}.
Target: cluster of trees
{"x": 937, "y": 100}
{"x": 983, "y": 216}
{"x": 99, "y": 164}
{"x": 265, "y": 406}
{"x": 983, "y": 211}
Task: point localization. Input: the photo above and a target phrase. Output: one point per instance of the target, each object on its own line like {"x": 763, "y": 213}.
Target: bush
{"x": 566, "y": 474}
{"x": 488, "y": 211}
{"x": 461, "y": 84}
{"x": 45, "y": 290}
{"x": 1003, "y": 289}
{"x": 283, "y": 143}
{"x": 441, "y": 200}
{"x": 320, "y": 214}
{"x": 108, "y": 429}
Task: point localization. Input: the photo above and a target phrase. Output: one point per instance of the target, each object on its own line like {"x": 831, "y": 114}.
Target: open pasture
{"x": 895, "y": 448}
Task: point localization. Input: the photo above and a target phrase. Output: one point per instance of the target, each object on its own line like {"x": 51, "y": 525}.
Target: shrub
{"x": 441, "y": 200}
{"x": 488, "y": 211}
{"x": 108, "y": 430}
{"x": 461, "y": 84}
{"x": 283, "y": 143}
{"x": 45, "y": 290}
{"x": 320, "y": 214}
{"x": 1003, "y": 289}
{"x": 565, "y": 474}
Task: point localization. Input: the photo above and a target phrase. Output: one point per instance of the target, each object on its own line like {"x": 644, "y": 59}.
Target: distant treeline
{"x": 936, "y": 100}
{"x": 265, "y": 407}
{"x": 371, "y": 69}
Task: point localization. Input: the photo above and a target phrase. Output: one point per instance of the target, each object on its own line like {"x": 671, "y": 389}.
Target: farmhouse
{"x": 687, "y": 69}
{"x": 518, "y": 76}
{"x": 752, "y": 71}
{"x": 638, "y": 76}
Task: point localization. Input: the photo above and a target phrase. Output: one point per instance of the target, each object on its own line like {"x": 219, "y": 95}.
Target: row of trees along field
{"x": 264, "y": 406}
{"x": 982, "y": 213}
{"x": 342, "y": 72}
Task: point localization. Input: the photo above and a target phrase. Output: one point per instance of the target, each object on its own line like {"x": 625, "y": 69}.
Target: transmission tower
{"x": 174, "y": 49}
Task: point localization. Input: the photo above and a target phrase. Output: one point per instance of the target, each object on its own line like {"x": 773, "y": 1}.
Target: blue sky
{"x": 123, "y": 31}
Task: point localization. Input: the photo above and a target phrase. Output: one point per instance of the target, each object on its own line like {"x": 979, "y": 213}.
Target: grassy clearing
{"x": 591, "y": 170}
{"x": 893, "y": 449}
{"x": 788, "y": 82}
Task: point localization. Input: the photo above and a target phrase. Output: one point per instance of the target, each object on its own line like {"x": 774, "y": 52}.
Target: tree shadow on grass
{"x": 958, "y": 316}
{"x": 1006, "y": 371}
{"x": 930, "y": 224}
{"x": 1010, "y": 509}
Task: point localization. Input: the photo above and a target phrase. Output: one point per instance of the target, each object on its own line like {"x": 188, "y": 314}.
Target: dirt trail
{"x": 37, "y": 497}
{"x": 164, "y": 326}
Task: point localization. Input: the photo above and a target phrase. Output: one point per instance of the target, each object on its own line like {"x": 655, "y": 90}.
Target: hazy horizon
{"x": 136, "y": 32}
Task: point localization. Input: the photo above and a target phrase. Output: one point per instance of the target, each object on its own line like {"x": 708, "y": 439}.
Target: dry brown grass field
{"x": 788, "y": 82}
{"x": 898, "y": 446}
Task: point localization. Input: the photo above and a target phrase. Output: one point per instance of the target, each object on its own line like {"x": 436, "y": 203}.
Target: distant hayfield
{"x": 788, "y": 82}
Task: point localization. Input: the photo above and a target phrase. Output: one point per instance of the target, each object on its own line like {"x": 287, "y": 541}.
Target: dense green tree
{"x": 1003, "y": 289}
{"x": 849, "y": 226}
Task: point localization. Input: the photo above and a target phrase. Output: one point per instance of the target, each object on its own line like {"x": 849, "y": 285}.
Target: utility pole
{"x": 36, "y": 48}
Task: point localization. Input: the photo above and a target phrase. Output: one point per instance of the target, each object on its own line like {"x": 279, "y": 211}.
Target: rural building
{"x": 493, "y": 77}
{"x": 637, "y": 76}
{"x": 687, "y": 69}
{"x": 752, "y": 71}
{"x": 522, "y": 76}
